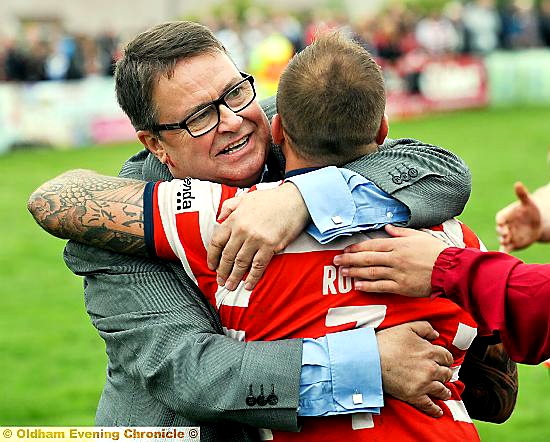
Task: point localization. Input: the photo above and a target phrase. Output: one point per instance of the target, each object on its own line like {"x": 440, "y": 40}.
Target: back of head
{"x": 331, "y": 100}
{"x": 149, "y": 56}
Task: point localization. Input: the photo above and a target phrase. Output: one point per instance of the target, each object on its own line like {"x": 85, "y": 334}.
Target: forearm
{"x": 165, "y": 336}
{"x": 207, "y": 377}
{"x": 102, "y": 211}
{"x": 504, "y": 295}
{"x": 341, "y": 202}
{"x": 490, "y": 376}
{"x": 432, "y": 182}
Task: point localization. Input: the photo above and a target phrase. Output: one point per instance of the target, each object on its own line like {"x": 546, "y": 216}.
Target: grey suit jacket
{"x": 169, "y": 363}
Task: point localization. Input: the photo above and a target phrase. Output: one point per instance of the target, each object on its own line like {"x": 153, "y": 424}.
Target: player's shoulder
{"x": 456, "y": 233}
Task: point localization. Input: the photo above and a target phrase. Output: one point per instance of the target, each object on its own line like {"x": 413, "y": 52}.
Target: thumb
{"x": 522, "y": 193}
{"x": 401, "y": 231}
{"x": 424, "y": 330}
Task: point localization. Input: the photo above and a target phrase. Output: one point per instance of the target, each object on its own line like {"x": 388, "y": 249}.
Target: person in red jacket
{"x": 505, "y": 296}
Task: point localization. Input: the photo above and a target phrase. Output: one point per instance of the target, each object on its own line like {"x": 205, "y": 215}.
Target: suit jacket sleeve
{"x": 162, "y": 332}
{"x": 432, "y": 182}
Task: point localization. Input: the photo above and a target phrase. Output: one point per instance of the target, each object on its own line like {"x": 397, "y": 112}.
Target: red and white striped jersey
{"x": 302, "y": 294}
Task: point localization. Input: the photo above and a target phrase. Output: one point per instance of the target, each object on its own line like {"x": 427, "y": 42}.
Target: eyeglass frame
{"x": 182, "y": 125}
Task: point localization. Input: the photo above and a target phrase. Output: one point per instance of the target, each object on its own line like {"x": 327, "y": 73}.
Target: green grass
{"x": 52, "y": 362}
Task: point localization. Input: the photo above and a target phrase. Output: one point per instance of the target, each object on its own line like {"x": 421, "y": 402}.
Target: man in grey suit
{"x": 169, "y": 364}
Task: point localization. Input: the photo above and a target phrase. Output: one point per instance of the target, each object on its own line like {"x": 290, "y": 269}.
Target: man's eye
{"x": 234, "y": 93}
{"x": 201, "y": 117}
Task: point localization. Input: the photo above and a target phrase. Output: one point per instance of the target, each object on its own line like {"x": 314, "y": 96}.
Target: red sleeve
{"x": 156, "y": 237}
{"x": 162, "y": 246}
{"x": 503, "y": 294}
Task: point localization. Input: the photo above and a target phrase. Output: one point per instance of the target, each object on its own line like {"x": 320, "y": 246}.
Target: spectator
{"x": 15, "y": 63}
{"x": 544, "y": 22}
{"x": 482, "y": 25}
{"x": 437, "y": 35}
{"x": 520, "y": 25}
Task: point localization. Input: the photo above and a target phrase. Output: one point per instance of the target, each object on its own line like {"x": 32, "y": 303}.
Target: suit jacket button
{"x": 250, "y": 399}
{"x": 396, "y": 179}
{"x": 261, "y": 400}
{"x": 413, "y": 173}
{"x": 272, "y": 399}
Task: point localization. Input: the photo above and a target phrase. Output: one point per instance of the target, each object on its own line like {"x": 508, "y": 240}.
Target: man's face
{"x": 235, "y": 151}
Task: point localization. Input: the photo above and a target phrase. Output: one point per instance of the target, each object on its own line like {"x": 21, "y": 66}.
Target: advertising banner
{"x": 519, "y": 77}
{"x": 61, "y": 114}
{"x": 430, "y": 85}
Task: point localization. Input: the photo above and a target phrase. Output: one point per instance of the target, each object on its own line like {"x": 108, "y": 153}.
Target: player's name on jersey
{"x": 334, "y": 282}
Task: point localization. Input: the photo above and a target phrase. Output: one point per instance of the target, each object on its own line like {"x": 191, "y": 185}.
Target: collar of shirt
{"x": 295, "y": 172}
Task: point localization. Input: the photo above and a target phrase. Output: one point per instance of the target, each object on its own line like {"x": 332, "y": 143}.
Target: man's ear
{"x": 277, "y": 130}
{"x": 153, "y": 144}
{"x": 383, "y": 130}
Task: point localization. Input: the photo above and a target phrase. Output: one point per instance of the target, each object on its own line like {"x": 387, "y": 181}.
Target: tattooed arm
{"x": 491, "y": 380}
{"x": 93, "y": 209}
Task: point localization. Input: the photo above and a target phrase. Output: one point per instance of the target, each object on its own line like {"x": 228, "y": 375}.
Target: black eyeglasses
{"x": 208, "y": 117}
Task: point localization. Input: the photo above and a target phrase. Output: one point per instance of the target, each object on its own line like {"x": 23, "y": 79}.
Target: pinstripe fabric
{"x": 442, "y": 185}
{"x": 168, "y": 363}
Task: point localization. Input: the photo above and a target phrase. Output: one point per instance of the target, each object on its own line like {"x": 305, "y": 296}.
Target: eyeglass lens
{"x": 235, "y": 99}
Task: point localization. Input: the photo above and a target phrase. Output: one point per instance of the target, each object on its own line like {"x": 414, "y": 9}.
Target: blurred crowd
{"x": 262, "y": 40}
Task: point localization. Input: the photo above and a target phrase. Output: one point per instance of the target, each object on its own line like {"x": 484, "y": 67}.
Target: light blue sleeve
{"x": 341, "y": 374}
{"x": 342, "y": 202}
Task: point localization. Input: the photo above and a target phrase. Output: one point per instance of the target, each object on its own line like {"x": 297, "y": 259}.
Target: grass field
{"x": 51, "y": 360}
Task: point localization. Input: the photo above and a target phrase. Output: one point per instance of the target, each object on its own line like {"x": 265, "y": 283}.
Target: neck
{"x": 294, "y": 161}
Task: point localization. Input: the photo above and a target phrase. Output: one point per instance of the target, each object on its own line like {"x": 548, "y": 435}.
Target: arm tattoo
{"x": 491, "y": 381}
{"x": 102, "y": 211}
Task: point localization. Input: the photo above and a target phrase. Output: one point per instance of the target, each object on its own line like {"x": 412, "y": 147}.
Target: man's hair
{"x": 151, "y": 55}
{"x": 331, "y": 100}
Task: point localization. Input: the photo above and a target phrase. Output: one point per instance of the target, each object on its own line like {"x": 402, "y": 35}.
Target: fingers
{"x": 502, "y": 216}
{"x": 426, "y": 405}
{"x": 370, "y": 273}
{"x": 228, "y": 207}
{"x": 380, "y": 286}
{"x": 216, "y": 246}
{"x": 504, "y": 233}
{"x": 444, "y": 358}
{"x": 438, "y": 391}
{"x": 238, "y": 258}
{"x": 522, "y": 193}
{"x": 503, "y": 230}
{"x": 240, "y": 267}
{"x": 361, "y": 259}
{"x": 402, "y": 231}
{"x": 259, "y": 264}
{"x": 232, "y": 257}
{"x": 402, "y": 237}
{"x": 372, "y": 245}
{"x": 424, "y": 330}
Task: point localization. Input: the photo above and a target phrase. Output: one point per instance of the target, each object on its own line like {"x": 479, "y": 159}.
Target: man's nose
{"x": 229, "y": 120}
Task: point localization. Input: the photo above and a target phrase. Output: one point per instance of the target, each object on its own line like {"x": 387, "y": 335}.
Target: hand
{"x": 419, "y": 374}
{"x": 520, "y": 223}
{"x": 393, "y": 265}
{"x": 258, "y": 225}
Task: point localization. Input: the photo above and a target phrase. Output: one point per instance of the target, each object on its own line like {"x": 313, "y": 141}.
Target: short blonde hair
{"x": 331, "y": 99}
